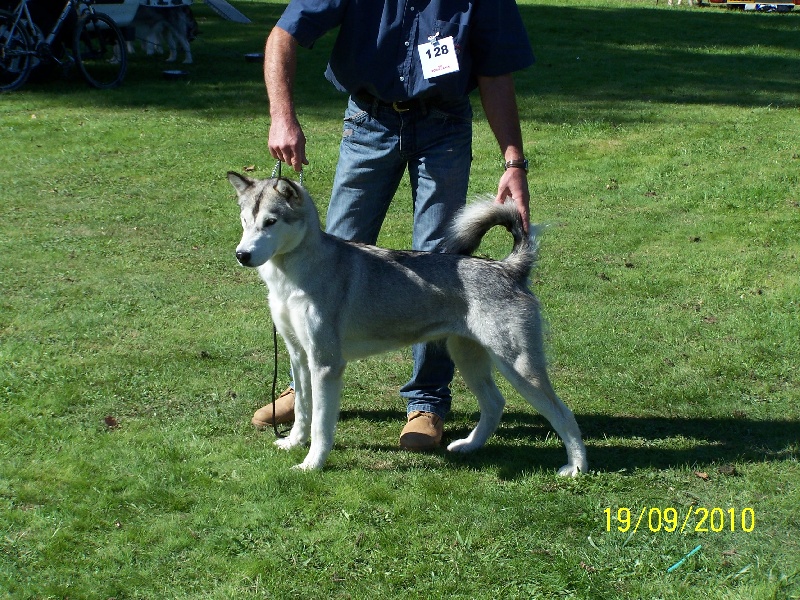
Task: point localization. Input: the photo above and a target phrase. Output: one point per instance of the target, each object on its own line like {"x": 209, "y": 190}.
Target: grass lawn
{"x": 665, "y": 152}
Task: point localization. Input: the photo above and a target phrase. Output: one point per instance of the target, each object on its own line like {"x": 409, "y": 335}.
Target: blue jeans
{"x": 434, "y": 142}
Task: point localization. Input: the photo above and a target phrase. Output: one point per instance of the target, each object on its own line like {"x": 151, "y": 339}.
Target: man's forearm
{"x": 280, "y": 66}
{"x": 500, "y": 105}
{"x": 498, "y": 98}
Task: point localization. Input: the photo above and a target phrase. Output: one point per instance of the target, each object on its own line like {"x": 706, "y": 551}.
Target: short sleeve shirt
{"x": 376, "y": 48}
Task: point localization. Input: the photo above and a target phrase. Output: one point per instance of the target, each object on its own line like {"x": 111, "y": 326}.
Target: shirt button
{"x": 407, "y": 44}
{"x": 412, "y": 9}
{"x": 402, "y": 79}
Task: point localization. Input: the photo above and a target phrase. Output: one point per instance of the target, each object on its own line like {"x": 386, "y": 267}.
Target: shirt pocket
{"x": 457, "y": 29}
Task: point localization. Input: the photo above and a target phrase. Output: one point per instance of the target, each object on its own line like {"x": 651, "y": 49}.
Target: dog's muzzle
{"x": 243, "y": 258}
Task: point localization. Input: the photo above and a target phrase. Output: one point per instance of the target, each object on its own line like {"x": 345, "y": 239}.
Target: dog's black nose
{"x": 243, "y": 258}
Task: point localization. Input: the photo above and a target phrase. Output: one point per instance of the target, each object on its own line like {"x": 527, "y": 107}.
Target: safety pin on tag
{"x": 434, "y": 39}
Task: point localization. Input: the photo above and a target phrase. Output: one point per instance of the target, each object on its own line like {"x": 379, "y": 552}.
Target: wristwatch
{"x": 517, "y": 163}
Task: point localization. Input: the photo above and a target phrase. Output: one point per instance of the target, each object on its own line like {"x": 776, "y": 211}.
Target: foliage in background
{"x": 665, "y": 159}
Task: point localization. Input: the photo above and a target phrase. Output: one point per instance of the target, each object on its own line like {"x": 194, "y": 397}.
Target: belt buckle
{"x": 396, "y": 106}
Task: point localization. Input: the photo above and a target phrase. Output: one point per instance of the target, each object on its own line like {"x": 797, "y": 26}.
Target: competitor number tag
{"x": 438, "y": 57}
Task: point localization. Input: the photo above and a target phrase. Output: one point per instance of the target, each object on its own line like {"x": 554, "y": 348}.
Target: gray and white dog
{"x": 171, "y": 24}
{"x": 334, "y": 301}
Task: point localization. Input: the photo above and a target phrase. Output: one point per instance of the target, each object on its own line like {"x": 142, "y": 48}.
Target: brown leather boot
{"x": 284, "y": 411}
{"x": 422, "y": 432}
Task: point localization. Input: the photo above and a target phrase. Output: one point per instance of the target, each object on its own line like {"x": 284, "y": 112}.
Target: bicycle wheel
{"x": 99, "y": 50}
{"x": 16, "y": 58}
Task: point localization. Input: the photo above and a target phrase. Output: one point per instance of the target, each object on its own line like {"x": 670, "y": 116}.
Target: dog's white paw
{"x": 305, "y": 468}
{"x": 463, "y": 446}
{"x": 309, "y": 464}
{"x": 569, "y": 470}
{"x": 287, "y": 443}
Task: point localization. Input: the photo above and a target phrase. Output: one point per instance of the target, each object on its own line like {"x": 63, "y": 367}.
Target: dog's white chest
{"x": 285, "y": 299}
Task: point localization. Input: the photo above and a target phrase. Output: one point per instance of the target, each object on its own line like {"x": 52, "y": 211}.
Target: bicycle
{"x": 98, "y": 46}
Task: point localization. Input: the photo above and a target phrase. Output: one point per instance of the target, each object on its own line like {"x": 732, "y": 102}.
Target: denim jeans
{"x": 379, "y": 143}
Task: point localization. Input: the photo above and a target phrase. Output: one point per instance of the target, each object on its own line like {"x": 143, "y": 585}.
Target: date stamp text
{"x": 699, "y": 519}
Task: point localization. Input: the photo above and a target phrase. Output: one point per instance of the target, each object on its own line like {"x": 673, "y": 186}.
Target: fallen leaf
{"x": 250, "y": 169}
{"x": 701, "y": 475}
{"x": 111, "y": 422}
{"x": 588, "y": 568}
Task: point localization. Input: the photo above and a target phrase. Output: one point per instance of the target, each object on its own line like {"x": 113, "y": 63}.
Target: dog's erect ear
{"x": 288, "y": 190}
{"x": 240, "y": 182}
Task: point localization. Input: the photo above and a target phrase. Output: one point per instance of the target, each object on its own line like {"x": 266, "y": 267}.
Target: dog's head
{"x": 274, "y": 217}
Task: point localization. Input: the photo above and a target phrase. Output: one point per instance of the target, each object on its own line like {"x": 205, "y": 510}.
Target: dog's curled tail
{"x": 474, "y": 220}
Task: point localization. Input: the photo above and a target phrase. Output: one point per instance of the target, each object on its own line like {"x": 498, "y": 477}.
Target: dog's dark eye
{"x": 269, "y": 222}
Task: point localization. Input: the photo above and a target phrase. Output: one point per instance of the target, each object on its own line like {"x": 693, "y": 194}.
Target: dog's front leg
{"x": 301, "y": 430}
{"x": 326, "y": 389}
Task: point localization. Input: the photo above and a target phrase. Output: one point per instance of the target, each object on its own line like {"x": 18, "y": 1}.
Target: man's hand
{"x": 287, "y": 142}
{"x": 514, "y": 184}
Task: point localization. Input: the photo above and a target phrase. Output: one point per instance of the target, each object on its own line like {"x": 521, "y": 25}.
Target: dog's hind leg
{"x": 475, "y": 366}
{"x": 170, "y": 37}
{"x": 181, "y": 39}
{"x": 529, "y": 377}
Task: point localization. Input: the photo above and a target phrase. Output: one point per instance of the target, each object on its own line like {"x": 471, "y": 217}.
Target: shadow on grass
{"x": 703, "y": 56}
{"x": 617, "y": 443}
{"x": 600, "y": 56}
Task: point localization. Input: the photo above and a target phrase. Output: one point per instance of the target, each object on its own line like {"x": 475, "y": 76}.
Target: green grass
{"x": 133, "y": 350}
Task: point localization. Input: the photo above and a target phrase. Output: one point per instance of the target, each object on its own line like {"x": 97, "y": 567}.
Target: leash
{"x": 276, "y": 172}
{"x": 278, "y": 434}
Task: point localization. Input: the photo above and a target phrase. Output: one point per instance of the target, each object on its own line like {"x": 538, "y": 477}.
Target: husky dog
{"x": 171, "y": 24}
{"x": 333, "y": 301}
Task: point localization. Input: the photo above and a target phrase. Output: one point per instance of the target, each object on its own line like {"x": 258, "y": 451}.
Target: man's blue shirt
{"x": 376, "y": 47}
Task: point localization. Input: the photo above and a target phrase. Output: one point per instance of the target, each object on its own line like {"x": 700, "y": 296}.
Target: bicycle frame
{"x": 23, "y": 16}
{"x": 97, "y": 45}
{"x": 61, "y": 18}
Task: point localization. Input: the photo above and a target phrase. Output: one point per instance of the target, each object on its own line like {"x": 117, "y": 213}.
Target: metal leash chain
{"x": 276, "y": 172}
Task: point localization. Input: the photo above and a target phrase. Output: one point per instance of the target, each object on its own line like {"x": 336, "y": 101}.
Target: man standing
{"x": 408, "y": 66}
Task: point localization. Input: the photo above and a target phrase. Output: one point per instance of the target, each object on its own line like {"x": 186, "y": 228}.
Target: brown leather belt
{"x": 398, "y": 106}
